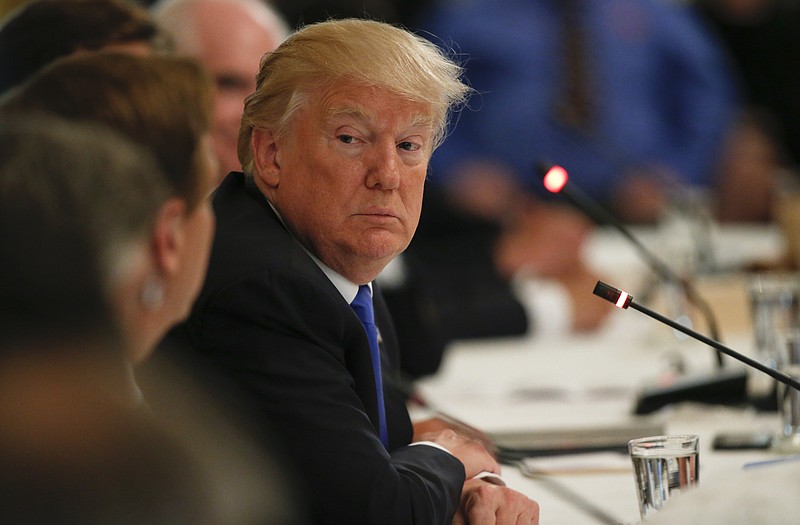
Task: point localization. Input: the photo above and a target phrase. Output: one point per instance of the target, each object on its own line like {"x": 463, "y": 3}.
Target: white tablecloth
{"x": 577, "y": 381}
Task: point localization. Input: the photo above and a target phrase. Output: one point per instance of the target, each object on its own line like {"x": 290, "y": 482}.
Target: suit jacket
{"x": 271, "y": 318}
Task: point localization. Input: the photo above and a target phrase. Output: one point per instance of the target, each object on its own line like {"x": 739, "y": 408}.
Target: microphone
{"x": 624, "y": 300}
{"x": 555, "y": 180}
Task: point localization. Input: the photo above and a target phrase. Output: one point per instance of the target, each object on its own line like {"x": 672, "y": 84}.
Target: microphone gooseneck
{"x": 623, "y": 300}
{"x": 555, "y": 179}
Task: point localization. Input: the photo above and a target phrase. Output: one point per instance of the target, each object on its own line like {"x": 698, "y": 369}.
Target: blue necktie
{"x": 362, "y": 305}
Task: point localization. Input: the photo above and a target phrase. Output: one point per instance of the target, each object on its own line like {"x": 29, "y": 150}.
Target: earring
{"x": 152, "y": 294}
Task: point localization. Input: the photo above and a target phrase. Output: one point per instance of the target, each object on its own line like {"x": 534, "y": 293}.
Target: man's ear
{"x": 266, "y": 157}
{"x": 169, "y": 237}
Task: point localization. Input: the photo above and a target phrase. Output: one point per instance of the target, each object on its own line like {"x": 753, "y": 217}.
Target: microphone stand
{"x": 623, "y": 300}
{"x": 601, "y": 216}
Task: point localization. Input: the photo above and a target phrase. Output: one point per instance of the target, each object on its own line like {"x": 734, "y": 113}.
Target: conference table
{"x": 553, "y": 387}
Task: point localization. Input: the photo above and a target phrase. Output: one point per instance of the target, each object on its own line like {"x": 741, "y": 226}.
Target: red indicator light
{"x": 555, "y": 179}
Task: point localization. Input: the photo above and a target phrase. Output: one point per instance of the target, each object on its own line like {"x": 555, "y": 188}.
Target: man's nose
{"x": 384, "y": 169}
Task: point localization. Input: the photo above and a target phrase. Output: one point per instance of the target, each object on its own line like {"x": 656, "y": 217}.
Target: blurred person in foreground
{"x": 164, "y": 104}
{"x": 228, "y": 37}
{"x": 68, "y": 413}
{"x": 38, "y": 32}
{"x": 335, "y": 144}
{"x": 76, "y": 444}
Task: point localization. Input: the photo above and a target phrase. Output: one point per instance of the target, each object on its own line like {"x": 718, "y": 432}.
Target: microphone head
{"x": 554, "y": 177}
{"x": 613, "y": 295}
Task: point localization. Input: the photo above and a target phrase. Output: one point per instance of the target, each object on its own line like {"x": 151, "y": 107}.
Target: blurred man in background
{"x": 228, "y": 37}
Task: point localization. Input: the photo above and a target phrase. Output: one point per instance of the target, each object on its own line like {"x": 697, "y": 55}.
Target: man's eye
{"x": 408, "y": 146}
{"x": 347, "y": 139}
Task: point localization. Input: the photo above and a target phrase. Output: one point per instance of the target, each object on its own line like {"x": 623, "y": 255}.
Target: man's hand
{"x": 547, "y": 243}
{"x": 544, "y": 240}
{"x": 587, "y": 314}
{"x": 469, "y": 451}
{"x": 483, "y": 503}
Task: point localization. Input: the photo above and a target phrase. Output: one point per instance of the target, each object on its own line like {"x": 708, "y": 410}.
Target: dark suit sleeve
{"x": 296, "y": 351}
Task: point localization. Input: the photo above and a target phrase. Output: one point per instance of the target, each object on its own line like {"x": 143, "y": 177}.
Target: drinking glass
{"x": 663, "y": 467}
{"x": 788, "y": 439}
{"x": 775, "y": 308}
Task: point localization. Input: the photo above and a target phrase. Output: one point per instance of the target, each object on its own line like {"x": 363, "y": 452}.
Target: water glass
{"x": 775, "y": 308}
{"x": 663, "y": 467}
{"x": 788, "y": 439}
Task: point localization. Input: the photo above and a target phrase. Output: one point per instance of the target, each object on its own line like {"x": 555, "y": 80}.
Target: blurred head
{"x": 76, "y": 202}
{"x": 338, "y": 134}
{"x": 41, "y": 31}
{"x": 228, "y": 37}
{"x": 164, "y": 104}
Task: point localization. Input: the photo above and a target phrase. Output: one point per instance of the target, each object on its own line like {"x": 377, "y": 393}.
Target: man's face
{"x": 230, "y": 44}
{"x": 348, "y": 176}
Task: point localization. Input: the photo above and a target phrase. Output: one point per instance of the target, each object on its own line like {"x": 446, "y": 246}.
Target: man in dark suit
{"x": 335, "y": 144}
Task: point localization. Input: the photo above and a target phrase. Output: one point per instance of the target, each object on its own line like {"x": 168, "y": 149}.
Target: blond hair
{"x": 362, "y": 52}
